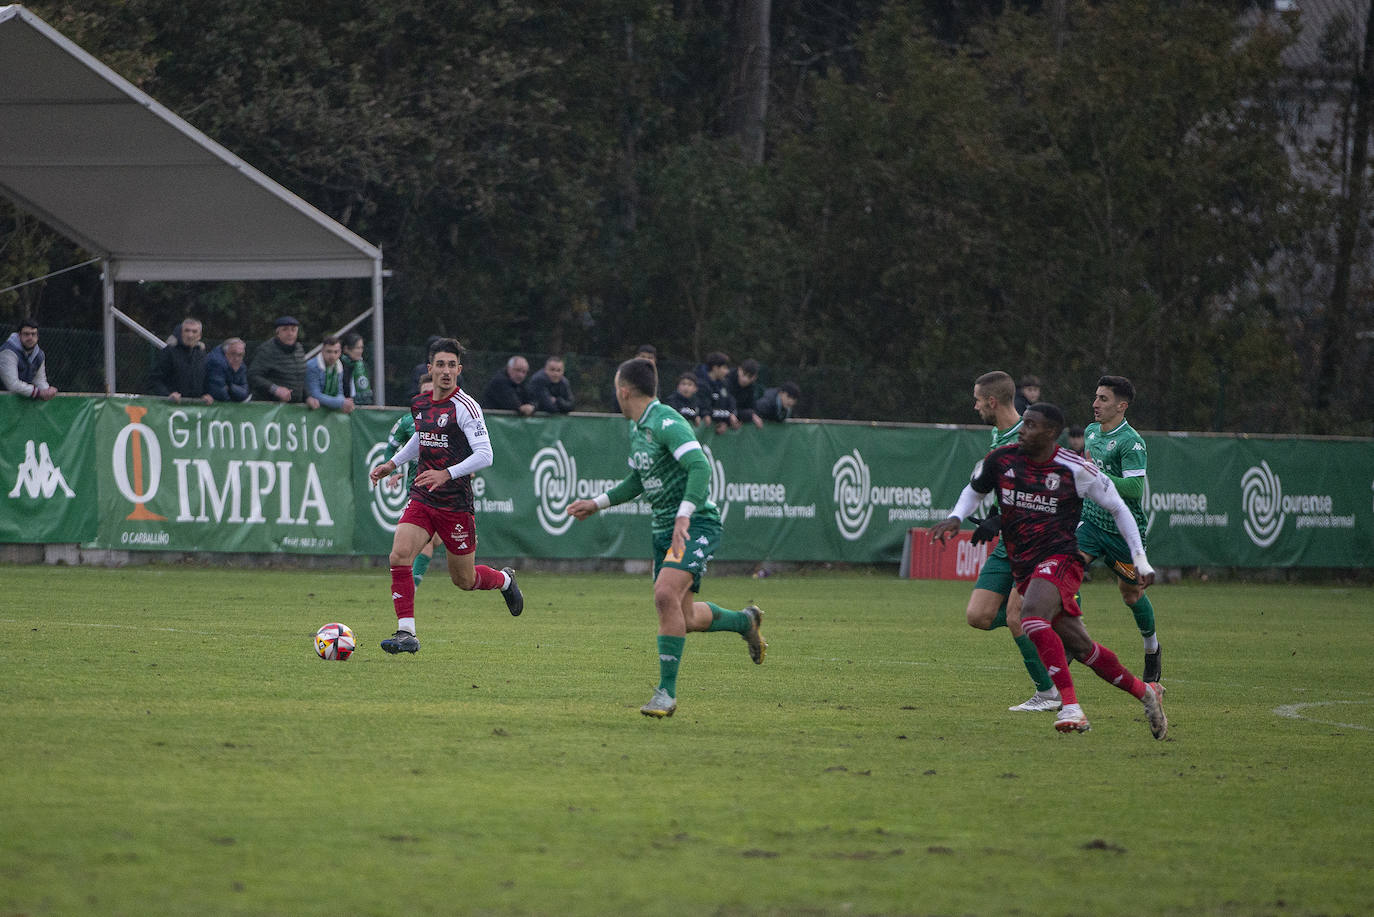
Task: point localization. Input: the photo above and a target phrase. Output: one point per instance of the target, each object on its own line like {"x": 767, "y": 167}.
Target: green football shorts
{"x": 703, "y": 537}
{"x": 996, "y": 573}
{"x": 1110, "y": 548}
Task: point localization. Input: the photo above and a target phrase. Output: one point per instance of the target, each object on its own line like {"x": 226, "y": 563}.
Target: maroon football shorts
{"x": 458, "y": 530}
{"x": 1065, "y": 571}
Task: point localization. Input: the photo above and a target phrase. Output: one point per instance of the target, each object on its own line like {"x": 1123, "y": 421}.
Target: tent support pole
{"x": 107, "y": 321}
{"x": 378, "y": 353}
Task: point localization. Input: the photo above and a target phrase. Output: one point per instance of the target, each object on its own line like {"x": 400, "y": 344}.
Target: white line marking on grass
{"x": 48, "y": 622}
{"x": 1294, "y": 712}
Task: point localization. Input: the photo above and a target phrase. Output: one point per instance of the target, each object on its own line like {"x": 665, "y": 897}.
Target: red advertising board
{"x": 957, "y": 558}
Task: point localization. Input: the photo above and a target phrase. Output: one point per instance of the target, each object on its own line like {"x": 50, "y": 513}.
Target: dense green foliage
{"x": 1065, "y": 188}
{"x": 173, "y": 746}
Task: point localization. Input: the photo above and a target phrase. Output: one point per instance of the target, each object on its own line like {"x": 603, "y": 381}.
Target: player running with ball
{"x": 451, "y": 442}
{"x": 1040, "y": 489}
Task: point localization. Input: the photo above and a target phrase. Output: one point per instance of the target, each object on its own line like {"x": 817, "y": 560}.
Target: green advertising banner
{"x": 240, "y": 477}
{"x": 1244, "y": 502}
{"x": 48, "y": 470}
{"x": 144, "y": 474}
{"x": 830, "y": 492}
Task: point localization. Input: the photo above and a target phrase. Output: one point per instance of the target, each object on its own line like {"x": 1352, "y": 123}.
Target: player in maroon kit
{"x": 451, "y": 443}
{"x": 1040, "y": 490}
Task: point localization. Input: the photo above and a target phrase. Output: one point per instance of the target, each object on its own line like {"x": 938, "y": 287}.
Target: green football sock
{"x": 1144, "y": 616}
{"x": 669, "y": 658}
{"x": 723, "y": 619}
{"x": 1034, "y": 667}
{"x": 420, "y": 566}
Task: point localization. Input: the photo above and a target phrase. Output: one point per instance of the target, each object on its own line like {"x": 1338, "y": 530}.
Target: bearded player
{"x": 1040, "y": 488}
{"x": 451, "y": 443}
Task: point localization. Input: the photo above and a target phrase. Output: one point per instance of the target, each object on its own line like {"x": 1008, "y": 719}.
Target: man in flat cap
{"x": 277, "y": 372}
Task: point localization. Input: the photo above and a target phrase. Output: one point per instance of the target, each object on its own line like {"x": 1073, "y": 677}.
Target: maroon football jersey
{"x": 447, "y": 430}
{"x": 1039, "y": 502}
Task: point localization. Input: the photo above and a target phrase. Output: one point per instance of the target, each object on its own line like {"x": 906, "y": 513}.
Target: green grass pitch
{"x": 170, "y": 744}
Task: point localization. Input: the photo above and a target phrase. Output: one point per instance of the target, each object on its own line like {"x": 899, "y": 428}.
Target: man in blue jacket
{"x": 226, "y": 374}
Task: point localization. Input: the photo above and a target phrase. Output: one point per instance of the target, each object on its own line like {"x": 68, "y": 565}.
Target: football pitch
{"x": 170, "y": 744}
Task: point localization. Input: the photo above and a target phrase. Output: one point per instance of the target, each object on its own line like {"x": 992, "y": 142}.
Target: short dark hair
{"x": 790, "y": 388}
{"x": 26, "y": 322}
{"x": 688, "y": 377}
{"x": 1051, "y": 413}
{"x": 445, "y": 345}
{"x": 330, "y": 339}
{"x": 716, "y": 358}
{"x": 1121, "y": 387}
{"x": 427, "y": 377}
{"x": 997, "y": 384}
{"x": 1032, "y": 381}
{"x": 750, "y": 366}
{"x": 646, "y": 348}
{"x": 350, "y": 338}
{"x": 1074, "y": 430}
{"x": 640, "y": 375}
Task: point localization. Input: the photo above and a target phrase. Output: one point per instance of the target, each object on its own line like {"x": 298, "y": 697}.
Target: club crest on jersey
{"x": 1052, "y": 482}
{"x": 443, "y": 420}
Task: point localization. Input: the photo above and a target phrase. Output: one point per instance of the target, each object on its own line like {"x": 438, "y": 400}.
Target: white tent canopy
{"x": 88, "y": 153}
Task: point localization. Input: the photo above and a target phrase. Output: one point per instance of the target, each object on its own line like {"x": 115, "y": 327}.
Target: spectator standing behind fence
{"x": 179, "y": 370}
{"x": 715, "y": 396}
{"x": 277, "y": 372}
{"x": 327, "y": 380}
{"x": 684, "y": 399}
{"x": 506, "y": 390}
{"x": 549, "y": 388}
{"x": 776, "y": 404}
{"x": 353, "y": 348}
{"x": 743, "y": 384}
{"x": 226, "y": 375}
{"x": 23, "y": 368}
{"x": 1027, "y": 393}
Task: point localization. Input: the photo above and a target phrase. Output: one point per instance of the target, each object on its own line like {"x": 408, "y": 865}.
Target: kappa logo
{"x": 38, "y": 476}
{"x": 667, "y": 422}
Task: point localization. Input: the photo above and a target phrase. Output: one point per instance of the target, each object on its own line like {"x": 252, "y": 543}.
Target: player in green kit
{"x": 991, "y": 604}
{"x": 1117, "y": 449}
{"x": 401, "y": 432}
{"x": 668, "y": 466}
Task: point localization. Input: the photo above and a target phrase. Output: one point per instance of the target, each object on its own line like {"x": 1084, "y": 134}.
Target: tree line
{"x": 881, "y": 200}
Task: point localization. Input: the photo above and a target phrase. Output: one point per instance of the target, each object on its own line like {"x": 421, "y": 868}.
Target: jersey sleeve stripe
{"x": 686, "y": 447}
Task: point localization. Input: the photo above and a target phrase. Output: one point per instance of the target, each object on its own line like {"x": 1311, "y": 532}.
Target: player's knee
{"x": 979, "y": 617}
{"x": 399, "y": 559}
{"x": 465, "y": 583}
{"x": 1131, "y": 593}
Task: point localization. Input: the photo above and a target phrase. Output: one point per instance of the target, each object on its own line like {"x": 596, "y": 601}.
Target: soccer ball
{"x": 334, "y": 641}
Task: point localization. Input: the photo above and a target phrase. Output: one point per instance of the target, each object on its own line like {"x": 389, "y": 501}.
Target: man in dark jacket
{"x": 743, "y": 385}
{"x": 179, "y": 371}
{"x": 714, "y": 393}
{"x": 226, "y": 375}
{"x": 506, "y": 390}
{"x": 549, "y": 388}
{"x": 776, "y": 404}
{"x": 277, "y": 372}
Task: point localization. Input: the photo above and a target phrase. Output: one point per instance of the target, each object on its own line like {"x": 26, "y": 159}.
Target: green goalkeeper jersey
{"x": 668, "y": 466}
{"x": 1121, "y": 454}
